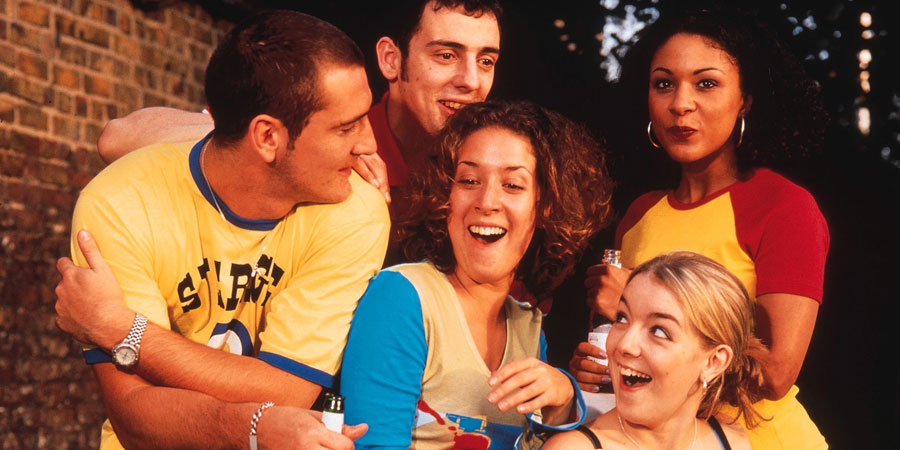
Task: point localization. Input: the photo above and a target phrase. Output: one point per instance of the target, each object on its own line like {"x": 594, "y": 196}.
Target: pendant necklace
{"x": 693, "y": 441}
{"x": 254, "y": 274}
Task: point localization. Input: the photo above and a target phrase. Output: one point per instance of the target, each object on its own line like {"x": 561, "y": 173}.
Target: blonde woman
{"x": 678, "y": 352}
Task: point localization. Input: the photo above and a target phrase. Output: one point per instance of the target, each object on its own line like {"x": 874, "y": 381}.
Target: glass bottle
{"x": 333, "y": 412}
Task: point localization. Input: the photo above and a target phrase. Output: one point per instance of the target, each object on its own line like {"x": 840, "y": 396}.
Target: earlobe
{"x": 389, "y": 58}
{"x": 267, "y": 134}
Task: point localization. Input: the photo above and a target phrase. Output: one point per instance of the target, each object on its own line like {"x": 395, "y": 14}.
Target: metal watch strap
{"x": 137, "y": 330}
{"x": 255, "y": 420}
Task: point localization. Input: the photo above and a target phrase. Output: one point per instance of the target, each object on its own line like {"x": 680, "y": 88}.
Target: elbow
{"x": 106, "y": 143}
{"x": 778, "y": 381}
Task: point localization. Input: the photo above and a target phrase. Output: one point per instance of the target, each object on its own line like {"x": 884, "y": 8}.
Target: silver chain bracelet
{"x": 255, "y": 420}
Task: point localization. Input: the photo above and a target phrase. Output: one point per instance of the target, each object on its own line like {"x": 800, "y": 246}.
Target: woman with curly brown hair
{"x": 723, "y": 98}
{"x": 439, "y": 354}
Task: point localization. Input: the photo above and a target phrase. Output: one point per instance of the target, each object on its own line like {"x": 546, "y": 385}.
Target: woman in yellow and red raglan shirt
{"x": 723, "y": 97}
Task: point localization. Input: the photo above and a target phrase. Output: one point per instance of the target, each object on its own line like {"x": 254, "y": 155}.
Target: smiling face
{"x": 316, "y": 167}
{"x": 656, "y": 357}
{"x": 449, "y": 63}
{"x": 492, "y": 205}
{"x": 694, "y": 99}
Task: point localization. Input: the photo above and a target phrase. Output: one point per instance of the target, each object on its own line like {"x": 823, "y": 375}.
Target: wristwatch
{"x": 125, "y": 353}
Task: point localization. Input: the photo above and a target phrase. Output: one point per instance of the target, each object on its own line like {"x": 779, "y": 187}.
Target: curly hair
{"x": 787, "y": 119}
{"x": 717, "y": 306}
{"x": 573, "y": 185}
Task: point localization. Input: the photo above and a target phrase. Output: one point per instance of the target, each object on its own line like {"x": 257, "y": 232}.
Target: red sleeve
{"x": 780, "y": 226}
{"x": 635, "y": 211}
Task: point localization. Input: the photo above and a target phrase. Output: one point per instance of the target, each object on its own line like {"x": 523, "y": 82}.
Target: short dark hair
{"x": 787, "y": 118}
{"x": 403, "y": 21}
{"x": 573, "y": 184}
{"x": 270, "y": 64}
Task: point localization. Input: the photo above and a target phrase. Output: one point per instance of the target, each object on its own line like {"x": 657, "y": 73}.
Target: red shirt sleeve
{"x": 781, "y": 227}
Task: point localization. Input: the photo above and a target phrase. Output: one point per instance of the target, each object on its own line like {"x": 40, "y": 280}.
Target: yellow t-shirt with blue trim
{"x": 185, "y": 268}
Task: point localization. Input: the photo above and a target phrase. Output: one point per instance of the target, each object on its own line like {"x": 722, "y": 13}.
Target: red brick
{"x": 52, "y": 173}
{"x": 34, "y": 39}
{"x": 7, "y": 111}
{"x": 32, "y": 64}
{"x": 64, "y": 102}
{"x": 32, "y": 117}
{"x": 93, "y": 35}
{"x": 75, "y": 54}
{"x": 24, "y": 143}
{"x": 33, "y": 91}
{"x": 92, "y": 134}
{"x": 112, "y": 111}
{"x": 153, "y": 100}
{"x": 7, "y": 55}
{"x": 97, "y": 85}
{"x": 66, "y": 128}
{"x": 126, "y": 48}
{"x": 91, "y": 10}
{"x": 12, "y": 164}
{"x": 65, "y": 25}
{"x": 80, "y": 106}
{"x": 2, "y": 23}
{"x": 66, "y": 77}
{"x": 33, "y": 13}
{"x": 124, "y": 93}
{"x": 96, "y": 111}
{"x": 152, "y": 56}
{"x": 125, "y": 24}
{"x": 179, "y": 25}
{"x": 110, "y": 16}
{"x": 203, "y": 34}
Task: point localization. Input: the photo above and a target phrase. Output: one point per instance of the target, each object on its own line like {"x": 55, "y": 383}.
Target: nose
{"x": 625, "y": 342}
{"x": 489, "y": 198}
{"x": 682, "y": 101}
{"x": 366, "y": 144}
{"x": 467, "y": 77}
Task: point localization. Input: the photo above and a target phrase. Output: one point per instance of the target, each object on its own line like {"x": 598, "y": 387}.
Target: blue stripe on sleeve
{"x": 381, "y": 377}
{"x": 301, "y": 370}
{"x": 543, "y": 345}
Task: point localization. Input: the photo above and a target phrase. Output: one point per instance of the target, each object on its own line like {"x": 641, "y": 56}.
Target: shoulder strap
{"x": 590, "y": 435}
{"x": 717, "y": 428}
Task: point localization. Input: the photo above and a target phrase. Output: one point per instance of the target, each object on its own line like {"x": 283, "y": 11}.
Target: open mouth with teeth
{"x": 455, "y": 106}
{"x": 487, "y": 234}
{"x": 631, "y": 377}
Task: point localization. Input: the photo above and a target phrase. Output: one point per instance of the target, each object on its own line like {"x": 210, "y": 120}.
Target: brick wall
{"x": 66, "y": 68}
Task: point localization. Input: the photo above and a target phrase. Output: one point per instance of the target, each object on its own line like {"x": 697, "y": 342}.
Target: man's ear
{"x": 389, "y": 58}
{"x": 267, "y": 135}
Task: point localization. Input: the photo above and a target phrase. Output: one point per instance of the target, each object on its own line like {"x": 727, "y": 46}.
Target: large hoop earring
{"x": 741, "y": 136}
{"x": 650, "y": 135}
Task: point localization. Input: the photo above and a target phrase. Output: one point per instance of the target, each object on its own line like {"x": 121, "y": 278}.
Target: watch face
{"x": 125, "y": 355}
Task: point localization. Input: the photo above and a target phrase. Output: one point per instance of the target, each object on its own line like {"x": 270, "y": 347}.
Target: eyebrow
{"x": 657, "y": 315}
{"x": 696, "y": 72}
{"x": 458, "y": 46}
{"x": 508, "y": 169}
{"x": 351, "y": 121}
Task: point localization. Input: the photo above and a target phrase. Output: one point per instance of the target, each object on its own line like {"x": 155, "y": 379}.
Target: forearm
{"x": 152, "y": 417}
{"x": 784, "y": 323}
{"x": 169, "y": 359}
{"x": 150, "y": 126}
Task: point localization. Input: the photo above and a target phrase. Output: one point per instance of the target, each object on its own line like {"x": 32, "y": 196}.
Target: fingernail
{"x": 594, "y": 388}
{"x": 492, "y": 397}
{"x": 492, "y": 381}
{"x": 502, "y": 405}
{"x": 603, "y": 355}
{"x": 605, "y": 380}
{"x": 84, "y": 235}
{"x": 376, "y": 183}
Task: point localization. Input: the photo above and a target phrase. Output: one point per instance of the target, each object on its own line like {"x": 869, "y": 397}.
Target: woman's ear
{"x": 718, "y": 360}
{"x": 748, "y": 102}
{"x": 389, "y": 58}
